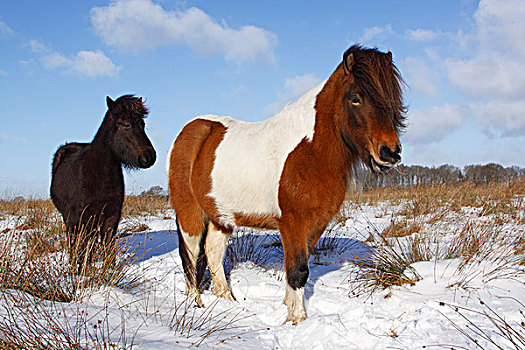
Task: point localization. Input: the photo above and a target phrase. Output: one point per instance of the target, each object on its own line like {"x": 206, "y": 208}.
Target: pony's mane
{"x": 133, "y": 105}
{"x": 378, "y": 77}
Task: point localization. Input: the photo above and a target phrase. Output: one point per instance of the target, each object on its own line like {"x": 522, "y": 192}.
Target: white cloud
{"x": 420, "y": 76}
{"x": 138, "y": 25}
{"x": 494, "y": 65}
{"x": 55, "y": 60}
{"x": 38, "y": 47}
{"x": 11, "y": 138}
{"x": 422, "y": 35}
{"x": 5, "y": 30}
{"x": 489, "y": 75}
{"x": 293, "y": 88}
{"x": 500, "y": 23}
{"x": 376, "y": 33}
{"x": 94, "y": 63}
{"x": 433, "y": 124}
{"x": 87, "y": 63}
{"x": 506, "y": 117}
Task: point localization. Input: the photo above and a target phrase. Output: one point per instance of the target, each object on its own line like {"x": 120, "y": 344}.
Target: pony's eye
{"x": 355, "y": 100}
{"x": 125, "y": 125}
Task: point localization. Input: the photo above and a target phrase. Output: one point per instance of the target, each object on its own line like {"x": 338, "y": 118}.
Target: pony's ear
{"x": 112, "y": 106}
{"x": 348, "y": 63}
{"x": 110, "y": 102}
{"x": 389, "y": 56}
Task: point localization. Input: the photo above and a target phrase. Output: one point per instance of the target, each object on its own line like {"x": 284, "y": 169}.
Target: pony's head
{"x": 126, "y": 134}
{"x": 373, "y": 110}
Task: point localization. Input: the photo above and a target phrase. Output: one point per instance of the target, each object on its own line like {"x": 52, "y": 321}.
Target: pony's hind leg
{"x": 215, "y": 247}
{"x": 193, "y": 262}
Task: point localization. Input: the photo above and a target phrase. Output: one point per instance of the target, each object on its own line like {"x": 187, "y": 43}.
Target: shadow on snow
{"x": 263, "y": 249}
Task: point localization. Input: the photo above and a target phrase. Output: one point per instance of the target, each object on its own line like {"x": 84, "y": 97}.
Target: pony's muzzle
{"x": 389, "y": 155}
{"x": 147, "y": 158}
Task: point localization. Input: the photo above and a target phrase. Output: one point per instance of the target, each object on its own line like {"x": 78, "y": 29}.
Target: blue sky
{"x": 462, "y": 60}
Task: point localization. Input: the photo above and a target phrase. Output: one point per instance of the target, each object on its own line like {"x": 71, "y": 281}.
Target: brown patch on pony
{"x": 201, "y": 175}
{"x": 268, "y": 222}
{"x": 315, "y": 175}
{"x": 185, "y": 149}
{"x": 191, "y": 163}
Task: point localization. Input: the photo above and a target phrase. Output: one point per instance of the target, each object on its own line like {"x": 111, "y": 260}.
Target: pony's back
{"x": 67, "y": 151}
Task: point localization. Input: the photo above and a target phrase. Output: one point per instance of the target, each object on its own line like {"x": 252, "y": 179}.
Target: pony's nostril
{"x": 152, "y": 156}
{"x": 398, "y": 148}
{"x": 147, "y": 158}
{"x": 387, "y": 155}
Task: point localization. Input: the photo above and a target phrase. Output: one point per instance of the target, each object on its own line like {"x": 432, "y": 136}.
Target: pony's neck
{"x": 101, "y": 142}
{"x": 327, "y": 138}
{"x": 102, "y": 136}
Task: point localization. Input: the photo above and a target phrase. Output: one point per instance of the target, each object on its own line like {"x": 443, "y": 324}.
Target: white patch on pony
{"x": 167, "y": 169}
{"x": 250, "y": 159}
{"x": 294, "y": 300}
{"x": 192, "y": 247}
{"x": 215, "y": 247}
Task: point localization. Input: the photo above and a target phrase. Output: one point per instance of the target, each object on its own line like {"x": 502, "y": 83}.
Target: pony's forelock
{"x": 378, "y": 77}
{"x": 134, "y": 105}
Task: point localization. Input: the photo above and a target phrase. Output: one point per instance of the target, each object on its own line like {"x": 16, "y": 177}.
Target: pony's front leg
{"x": 215, "y": 247}
{"x": 296, "y": 266}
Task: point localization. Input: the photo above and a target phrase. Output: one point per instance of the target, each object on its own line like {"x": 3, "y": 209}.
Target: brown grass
{"x": 422, "y": 216}
{"x": 145, "y": 205}
{"x": 429, "y": 212}
{"x": 401, "y": 228}
{"x": 36, "y": 274}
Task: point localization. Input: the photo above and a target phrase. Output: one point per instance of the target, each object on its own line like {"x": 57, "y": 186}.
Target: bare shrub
{"x": 500, "y": 335}
{"x": 27, "y": 322}
{"x": 202, "y": 324}
{"x": 387, "y": 265}
{"x": 246, "y": 245}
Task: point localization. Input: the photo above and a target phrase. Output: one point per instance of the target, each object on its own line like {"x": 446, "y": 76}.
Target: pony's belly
{"x": 243, "y": 191}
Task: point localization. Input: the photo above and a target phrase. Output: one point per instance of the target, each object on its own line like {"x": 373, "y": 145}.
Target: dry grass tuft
{"x": 401, "y": 228}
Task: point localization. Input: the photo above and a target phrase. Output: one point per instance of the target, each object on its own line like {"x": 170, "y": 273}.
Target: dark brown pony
{"x": 289, "y": 172}
{"x": 87, "y": 184}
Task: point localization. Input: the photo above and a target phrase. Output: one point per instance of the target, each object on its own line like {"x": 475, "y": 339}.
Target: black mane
{"x": 133, "y": 105}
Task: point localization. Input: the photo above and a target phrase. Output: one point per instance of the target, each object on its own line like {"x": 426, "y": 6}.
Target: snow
{"x": 157, "y": 314}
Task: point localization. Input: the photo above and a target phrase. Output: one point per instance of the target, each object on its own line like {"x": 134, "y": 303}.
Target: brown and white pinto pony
{"x": 289, "y": 172}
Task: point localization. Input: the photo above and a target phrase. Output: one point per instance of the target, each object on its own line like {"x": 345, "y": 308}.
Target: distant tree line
{"x": 414, "y": 175}
{"x": 154, "y": 191}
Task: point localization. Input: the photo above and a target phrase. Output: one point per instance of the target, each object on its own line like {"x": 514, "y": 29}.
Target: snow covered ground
{"x": 157, "y": 315}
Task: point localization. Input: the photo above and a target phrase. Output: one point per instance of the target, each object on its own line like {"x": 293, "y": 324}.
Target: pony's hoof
{"x": 228, "y": 295}
{"x": 296, "y": 319}
{"x": 198, "y": 301}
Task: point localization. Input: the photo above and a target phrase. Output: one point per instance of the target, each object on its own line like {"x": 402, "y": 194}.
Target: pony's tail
{"x": 194, "y": 274}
